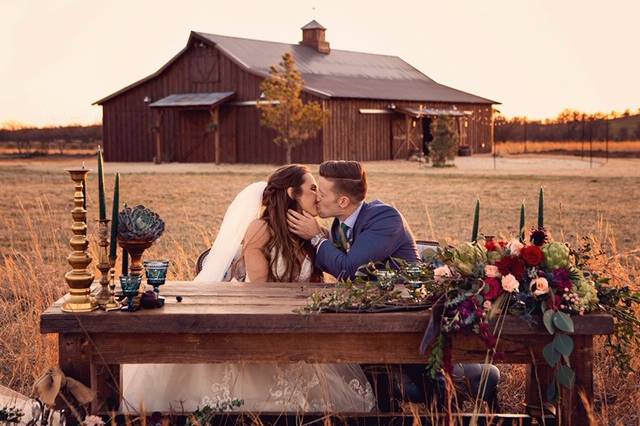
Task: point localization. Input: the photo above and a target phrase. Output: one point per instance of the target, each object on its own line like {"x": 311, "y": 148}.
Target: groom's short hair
{"x": 349, "y": 178}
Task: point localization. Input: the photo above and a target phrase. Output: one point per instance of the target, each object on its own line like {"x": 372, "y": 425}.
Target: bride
{"x": 254, "y": 244}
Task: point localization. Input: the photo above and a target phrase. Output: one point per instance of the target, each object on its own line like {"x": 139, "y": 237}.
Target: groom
{"x": 361, "y": 232}
{"x": 369, "y": 231}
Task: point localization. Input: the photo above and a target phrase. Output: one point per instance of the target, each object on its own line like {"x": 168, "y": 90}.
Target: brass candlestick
{"x": 103, "y": 296}
{"x": 79, "y": 279}
{"x": 112, "y": 304}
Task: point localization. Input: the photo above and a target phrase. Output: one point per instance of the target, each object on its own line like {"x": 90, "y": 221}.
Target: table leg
{"x": 107, "y": 384}
{"x": 574, "y": 411}
{"x": 74, "y": 359}
{"x": 571, "y": 411}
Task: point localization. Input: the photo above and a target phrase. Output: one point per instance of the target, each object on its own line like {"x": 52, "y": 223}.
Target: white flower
{"x": 510, "y": 284}
{"x": 441, "y": 272}
{"x": 541, "y": 286}
{"x": 491, "y": 271}
{"x": 93, "y": 421}
{"x": 514, "y": 247}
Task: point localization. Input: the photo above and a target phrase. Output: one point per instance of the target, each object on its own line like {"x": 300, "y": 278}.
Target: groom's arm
{"x": 376, "y": 242}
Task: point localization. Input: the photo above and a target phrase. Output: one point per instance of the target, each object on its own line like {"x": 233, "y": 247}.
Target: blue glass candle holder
{"x": 130, "y": 285}
{"x": 156, "y": 271}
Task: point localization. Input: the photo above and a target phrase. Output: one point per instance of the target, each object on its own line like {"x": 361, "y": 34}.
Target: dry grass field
{"x": 36, "y": 198}
{"x": 616, "y": 148}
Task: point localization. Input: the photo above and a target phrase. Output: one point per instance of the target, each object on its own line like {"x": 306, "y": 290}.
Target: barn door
{"x": 195, "y": 138}
{"x": 398, "y": 135}
{"x": 406, "y": 136}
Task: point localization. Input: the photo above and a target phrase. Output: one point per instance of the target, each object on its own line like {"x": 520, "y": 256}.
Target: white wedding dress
{"x": 262, "y": 387}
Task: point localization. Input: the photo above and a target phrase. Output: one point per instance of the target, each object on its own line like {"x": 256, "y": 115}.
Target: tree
{"x": 282, "y": 108}
{"x": 445, "y": 141}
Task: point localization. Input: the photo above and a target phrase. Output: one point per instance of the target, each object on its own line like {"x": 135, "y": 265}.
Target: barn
{"x": 201, "y": 105}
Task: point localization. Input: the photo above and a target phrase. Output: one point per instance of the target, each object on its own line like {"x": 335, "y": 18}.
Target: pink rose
{"x": 510, "y": 284}
{"x": 514, "y": 247}
{"x": 541, "y": 286}
{"x": 491, "y": 271}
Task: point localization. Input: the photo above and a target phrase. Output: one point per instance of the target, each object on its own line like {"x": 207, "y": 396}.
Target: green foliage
{"x": 283, "y": 110}
{"x": 445, "y": 141}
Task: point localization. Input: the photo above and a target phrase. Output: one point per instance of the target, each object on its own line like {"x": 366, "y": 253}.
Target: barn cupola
{"x": 313, "y": 36}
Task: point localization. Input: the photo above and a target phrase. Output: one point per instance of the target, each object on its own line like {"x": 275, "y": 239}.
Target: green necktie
{"x": 343, "y": 232}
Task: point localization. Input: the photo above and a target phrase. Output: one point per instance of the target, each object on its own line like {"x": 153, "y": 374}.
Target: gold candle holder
{"x": 79, "y": 279}
{"x": 112, "y": 304}
{"x": 103, "y": 296}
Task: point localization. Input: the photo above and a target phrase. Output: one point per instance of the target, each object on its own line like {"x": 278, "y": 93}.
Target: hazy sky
{"x": 535, "y": 56}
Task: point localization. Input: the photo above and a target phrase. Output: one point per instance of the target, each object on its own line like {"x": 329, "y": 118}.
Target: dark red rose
{"x": 532, "y": 255}
{"x": 492, "y": 288}
{"x": 502, "y": 243}
{"x": 511, "y": 265}
{"x": 491, "y": 245}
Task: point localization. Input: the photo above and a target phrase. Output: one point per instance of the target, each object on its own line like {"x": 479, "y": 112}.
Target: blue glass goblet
{"x": 156, "y": 271}
{"x": 130, "y": 285}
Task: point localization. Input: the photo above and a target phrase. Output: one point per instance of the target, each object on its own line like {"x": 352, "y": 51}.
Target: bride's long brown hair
{"x": 282, "y": 243}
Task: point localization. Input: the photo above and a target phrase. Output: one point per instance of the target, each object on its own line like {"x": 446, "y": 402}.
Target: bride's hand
{"x": 303, "y": 224}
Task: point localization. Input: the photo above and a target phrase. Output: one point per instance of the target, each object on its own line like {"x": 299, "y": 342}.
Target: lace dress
{"x": 263, "y": 387}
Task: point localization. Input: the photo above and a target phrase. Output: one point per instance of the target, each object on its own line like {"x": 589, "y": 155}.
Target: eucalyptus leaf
{"x": 565, "y": 376}
{"x": 563, "y": 321}
{"x": 547, "y": 319}
{"x": 550, "y": 355}
{"x": 551, "y": 391}
{"x": 563, "y": 344}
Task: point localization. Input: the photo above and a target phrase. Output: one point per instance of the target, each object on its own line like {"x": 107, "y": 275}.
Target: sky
{"x": 536, "y": 57}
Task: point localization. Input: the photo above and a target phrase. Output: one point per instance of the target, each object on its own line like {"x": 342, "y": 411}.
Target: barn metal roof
{"x": 192, "y": 100}
{"x": 340, "y": 73}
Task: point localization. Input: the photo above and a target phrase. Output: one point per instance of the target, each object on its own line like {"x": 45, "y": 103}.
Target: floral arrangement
{"x": 533, "y": 278}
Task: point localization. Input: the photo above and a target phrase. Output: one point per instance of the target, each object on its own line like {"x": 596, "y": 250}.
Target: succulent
{"x": 467, "y": 255}
{"x": 556, "y": 255}
{"x": 139, "y": 224}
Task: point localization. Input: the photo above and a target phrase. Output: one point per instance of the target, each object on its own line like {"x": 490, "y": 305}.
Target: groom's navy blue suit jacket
{"x": 380, "y": 232}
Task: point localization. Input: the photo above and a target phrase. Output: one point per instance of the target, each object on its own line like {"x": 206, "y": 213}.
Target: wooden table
{"x": 218, "y": 322}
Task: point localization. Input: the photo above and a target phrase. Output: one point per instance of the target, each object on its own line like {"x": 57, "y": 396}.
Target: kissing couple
{"x": 270, "y": 234}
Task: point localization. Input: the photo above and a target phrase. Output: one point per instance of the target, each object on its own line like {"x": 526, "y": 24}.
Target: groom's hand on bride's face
{"x": 302, "y": 224}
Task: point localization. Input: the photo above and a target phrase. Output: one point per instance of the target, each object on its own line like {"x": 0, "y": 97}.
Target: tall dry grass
{"x": 35, "y": 222}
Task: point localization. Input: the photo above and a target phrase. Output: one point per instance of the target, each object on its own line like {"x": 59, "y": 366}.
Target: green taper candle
{"x": 476, "y": 222}
{"x": 541, "y": 209}
{"x": 114, "y": 218}
{"x": 521, "y": 228}
{"x": 101, "y": 200}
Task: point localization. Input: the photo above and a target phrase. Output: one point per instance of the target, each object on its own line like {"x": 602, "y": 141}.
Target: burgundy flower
{"x": 491, "y": 245}
{"x": 539, "y": 237}
{"x": 467, "y": 308}
{"x": 532, "y": 255}
{"x": 492, "y": 288}
{"x": 554, "y": 301}
{"x": 511, "y": 265}
{"x": 562, "y": 279}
